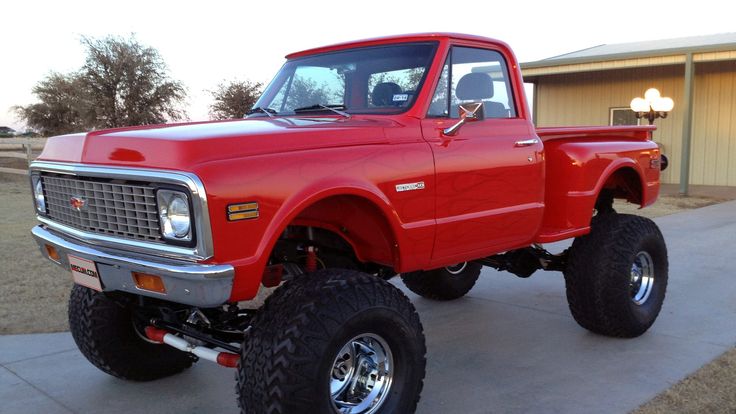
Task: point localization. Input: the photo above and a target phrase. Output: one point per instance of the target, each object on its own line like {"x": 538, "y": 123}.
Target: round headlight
{"x": 178, "y": 213}
{"x": 38, "y": 195}
{"x": 173, "y": 211}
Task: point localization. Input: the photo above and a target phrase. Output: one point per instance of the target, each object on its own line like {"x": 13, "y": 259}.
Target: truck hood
{"x": 184, "y": 146}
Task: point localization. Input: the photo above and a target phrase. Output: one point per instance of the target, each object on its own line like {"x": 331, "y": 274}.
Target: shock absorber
{"x": 311, "y": 262}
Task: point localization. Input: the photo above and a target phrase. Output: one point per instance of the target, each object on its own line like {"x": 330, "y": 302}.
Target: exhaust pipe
{"x": 161, "y": 336}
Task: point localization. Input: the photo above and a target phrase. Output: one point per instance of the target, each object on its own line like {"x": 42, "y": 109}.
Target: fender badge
{"x": 410, "y": 186}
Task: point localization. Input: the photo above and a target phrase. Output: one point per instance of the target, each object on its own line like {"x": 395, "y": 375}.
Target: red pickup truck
{"x": 409, "y": 155}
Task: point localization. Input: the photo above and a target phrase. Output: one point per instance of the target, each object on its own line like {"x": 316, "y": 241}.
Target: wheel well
{"x": 355, "y": 221}
{"x": 625, "y": 184}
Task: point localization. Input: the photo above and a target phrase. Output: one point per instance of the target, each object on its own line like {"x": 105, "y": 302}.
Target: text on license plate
{"x": 84, "y": 272}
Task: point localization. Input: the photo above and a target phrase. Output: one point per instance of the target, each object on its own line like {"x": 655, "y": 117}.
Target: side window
{"x": 622, "y": 116}
{"x": 440, "y": 100}
{"x": 474, "y": 75}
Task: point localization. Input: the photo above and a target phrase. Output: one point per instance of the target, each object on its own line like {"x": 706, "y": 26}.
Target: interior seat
{"x": 479, "y": 87}
{"x": 383, "y": 94}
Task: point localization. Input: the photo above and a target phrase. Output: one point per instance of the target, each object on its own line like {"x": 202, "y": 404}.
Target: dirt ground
{"x": 712, "y": 389}
{"x": 12, "y": 163}
{"x": 34, "y": 295}
{"x": 33, "y": 291}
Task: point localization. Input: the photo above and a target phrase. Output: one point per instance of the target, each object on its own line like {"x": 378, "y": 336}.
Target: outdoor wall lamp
{"x": 652, "y": 106}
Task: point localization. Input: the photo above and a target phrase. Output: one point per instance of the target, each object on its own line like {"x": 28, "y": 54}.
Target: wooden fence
{"x": 19, "y": 148}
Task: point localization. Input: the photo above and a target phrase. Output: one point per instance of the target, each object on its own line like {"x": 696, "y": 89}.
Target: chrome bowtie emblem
{"x": 78, "y": 203}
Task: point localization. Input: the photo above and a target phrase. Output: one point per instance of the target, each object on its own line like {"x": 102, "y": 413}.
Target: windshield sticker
{"x": 401, "y": 97}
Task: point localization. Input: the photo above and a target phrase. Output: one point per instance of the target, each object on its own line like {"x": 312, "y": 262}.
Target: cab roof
{"x": 415, "y": 37}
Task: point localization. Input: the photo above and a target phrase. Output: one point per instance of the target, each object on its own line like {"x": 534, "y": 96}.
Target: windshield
{"x": 375, "y": 80}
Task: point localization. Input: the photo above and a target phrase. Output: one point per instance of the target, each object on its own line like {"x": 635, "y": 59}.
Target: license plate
{"x": 84, "y": 272}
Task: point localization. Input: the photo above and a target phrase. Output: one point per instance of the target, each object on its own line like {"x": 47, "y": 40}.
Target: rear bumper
{"x": 188, "y": 283}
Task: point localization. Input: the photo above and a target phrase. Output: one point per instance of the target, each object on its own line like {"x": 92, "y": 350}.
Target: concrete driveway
{"x": 509, "y": 346}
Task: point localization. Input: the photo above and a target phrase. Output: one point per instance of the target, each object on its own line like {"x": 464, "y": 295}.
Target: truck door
{"x": 490, "y": 175}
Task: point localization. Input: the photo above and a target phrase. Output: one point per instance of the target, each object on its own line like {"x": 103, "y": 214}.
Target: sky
{"x": 207, "y": 42}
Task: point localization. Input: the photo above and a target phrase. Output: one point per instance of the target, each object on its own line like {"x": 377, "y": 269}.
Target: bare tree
{"x": 234, "y": 99}
{"x": 129, "y": 83}
{"x": 64, "y": 105}
{"x": 121, "y": 83}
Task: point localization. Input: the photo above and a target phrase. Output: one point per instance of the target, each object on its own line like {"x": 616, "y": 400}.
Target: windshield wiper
{"x": 320, "y": 107}
{"x": 268, "y": 111}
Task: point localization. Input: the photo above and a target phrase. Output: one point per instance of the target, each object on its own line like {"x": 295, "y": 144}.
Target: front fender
{"x": 297, "y": 204}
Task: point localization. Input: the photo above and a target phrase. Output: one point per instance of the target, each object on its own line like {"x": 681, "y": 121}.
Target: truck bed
{"x": 634, "y": 132}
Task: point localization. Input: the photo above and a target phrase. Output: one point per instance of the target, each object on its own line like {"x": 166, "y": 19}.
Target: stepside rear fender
{"x": 578, "y": 170}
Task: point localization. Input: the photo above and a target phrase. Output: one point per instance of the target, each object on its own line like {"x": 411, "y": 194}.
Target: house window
{"x": 623, "y": 116}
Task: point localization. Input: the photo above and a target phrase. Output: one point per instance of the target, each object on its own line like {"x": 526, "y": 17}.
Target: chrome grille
{"x": 122, "y": 210}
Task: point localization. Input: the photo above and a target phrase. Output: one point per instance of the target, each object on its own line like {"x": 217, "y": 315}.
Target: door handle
{"x": 526, "y": 142}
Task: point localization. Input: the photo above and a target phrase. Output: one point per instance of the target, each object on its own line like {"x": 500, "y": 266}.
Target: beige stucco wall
{"x": 585, "y": 99}
{"x": 714, "y": 125}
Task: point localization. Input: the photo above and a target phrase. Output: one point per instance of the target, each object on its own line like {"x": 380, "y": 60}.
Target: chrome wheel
{"x": 361, "y": 375}
{"x": 456, "y": 269}
{"x": 642, "y": 278}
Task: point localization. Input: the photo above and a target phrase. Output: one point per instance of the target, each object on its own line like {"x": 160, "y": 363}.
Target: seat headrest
{"x": 474, "y": 86}
{"x": 383, "y": 94}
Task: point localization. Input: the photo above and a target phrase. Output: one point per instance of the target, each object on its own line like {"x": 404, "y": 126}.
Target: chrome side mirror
{"x": 469, "y": 112}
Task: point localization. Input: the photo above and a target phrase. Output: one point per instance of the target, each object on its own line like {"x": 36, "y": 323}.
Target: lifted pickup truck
{"x": 411, "y": 155}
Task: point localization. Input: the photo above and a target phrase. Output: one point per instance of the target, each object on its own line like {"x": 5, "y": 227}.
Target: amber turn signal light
{"x": 152, "y": 283}
{"x": 243, "y": 211}
{"x": 53, "y": 254}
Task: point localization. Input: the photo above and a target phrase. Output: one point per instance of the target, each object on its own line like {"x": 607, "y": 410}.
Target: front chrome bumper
{"x": 188, "y": 283}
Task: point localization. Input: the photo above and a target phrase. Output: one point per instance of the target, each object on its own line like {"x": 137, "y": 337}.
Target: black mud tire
{"x": 289, "y": 351}
{"x": 445, "y": 283}
{"x": 104, "y": 333}
{"x": 598, "y": 275}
